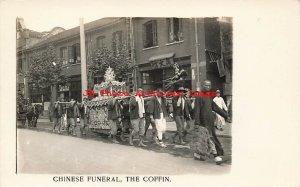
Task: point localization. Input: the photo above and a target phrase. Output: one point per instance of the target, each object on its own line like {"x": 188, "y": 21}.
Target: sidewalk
{"x": 171, "y": 127}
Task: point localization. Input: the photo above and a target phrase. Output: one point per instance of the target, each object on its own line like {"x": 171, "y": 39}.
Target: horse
{"x": 33, "y": 113}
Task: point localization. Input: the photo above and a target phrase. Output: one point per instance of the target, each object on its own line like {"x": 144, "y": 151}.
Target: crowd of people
{"x": 199, "y": 117}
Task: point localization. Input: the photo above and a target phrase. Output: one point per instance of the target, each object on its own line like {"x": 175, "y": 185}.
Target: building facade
{"x": 160, "y": 42}
{"x": 26, "y": 39}
{"x": 98, "y": 34}
{"x": 155, "y": 44}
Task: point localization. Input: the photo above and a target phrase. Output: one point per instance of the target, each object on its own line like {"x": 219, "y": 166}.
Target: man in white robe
{"x": 220, "y": 121}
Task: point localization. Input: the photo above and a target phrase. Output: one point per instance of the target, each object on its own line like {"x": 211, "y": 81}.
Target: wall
{"x": 184, "y": 48}
{"x": 181, "y": 48}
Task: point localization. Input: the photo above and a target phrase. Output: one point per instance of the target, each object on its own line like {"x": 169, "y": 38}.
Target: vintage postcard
{"x": 128, "y": 98}
{"x": 140, "y": 86}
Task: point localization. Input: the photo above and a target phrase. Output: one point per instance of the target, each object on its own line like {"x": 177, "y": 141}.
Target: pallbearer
{"x": 178, "y": 113}
{"x": 148, "y": 122}
{"x": 188, "y": 114}
{"x": 84, "y": 113}
{"x": 126, "y": 125}
{"x": 114, "y": 117}
{"x": 205, "y": 141}
{"x": 72, "y": 114}
{"x": 157, "y": 110}
{"x": 137, "y": 117}
{"x": 57, "y": 115}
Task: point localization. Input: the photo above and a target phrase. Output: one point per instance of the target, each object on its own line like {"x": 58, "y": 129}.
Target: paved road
{"x": 42, "y": 152}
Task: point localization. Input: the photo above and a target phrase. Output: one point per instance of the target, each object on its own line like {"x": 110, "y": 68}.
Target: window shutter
{"x": 61, "y": 53}
{"x": 180, "y": 29}
{"x": 169, "y": 29}
{"x": 154, "y": 27}
{"x": 98, "y": 43}
{"x": 172, "y": 33}
{"x": 78, "y": 55}
{"x": 144, "y": 35}
{"x": 70, "y": 54}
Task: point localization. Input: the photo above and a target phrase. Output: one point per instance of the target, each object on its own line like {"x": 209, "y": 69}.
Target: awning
{"x": 160, "y": 57}
{"x": 213, "y": 56}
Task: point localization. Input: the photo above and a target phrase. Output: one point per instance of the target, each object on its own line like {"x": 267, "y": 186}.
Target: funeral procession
{"x": 125, "y": 95}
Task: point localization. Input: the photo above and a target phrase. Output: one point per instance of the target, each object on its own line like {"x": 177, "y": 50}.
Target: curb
{"x": 170, "y": 131}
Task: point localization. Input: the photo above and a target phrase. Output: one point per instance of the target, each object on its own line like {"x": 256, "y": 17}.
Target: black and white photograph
{"x": 149, "y": 93}
{"x": 125, "y": 95}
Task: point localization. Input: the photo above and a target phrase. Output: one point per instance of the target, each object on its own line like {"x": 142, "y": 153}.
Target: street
{"x": 42, "y": 152}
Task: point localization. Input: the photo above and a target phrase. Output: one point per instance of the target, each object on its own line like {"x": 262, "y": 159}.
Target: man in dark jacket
{"x": 57, "y": 114}
{"x": 205, "y": 141}
{"x": 72, "y": 115}
{"x": 157, "y": 110}
{"x": 137, "y": 117}
{"x": 148, "y": 122}
{"x": 84, "y": 113}
{"x": 126, "y": 125}
{"x": 114, "y": 117}
{"x": 179, "y": 105}
{"x": 188, "y": 114}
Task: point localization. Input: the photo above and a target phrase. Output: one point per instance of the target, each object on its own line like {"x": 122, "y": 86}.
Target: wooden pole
{"x": 83, "y": 58}
{"x": 197, "y": 56}
{"x": 133, "y": 54}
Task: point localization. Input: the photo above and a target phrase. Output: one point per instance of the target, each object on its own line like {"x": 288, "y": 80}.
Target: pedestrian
{"x": 148, "y": 122}
{"x": 84, "y": 114}
{"x": 22, "y": 109}
{"x": 179, "y": 103}
{"x": 188, "y": 115}
{"x": 126, "y": 125}
{"x": 57, "y": 115}
{"x": 205, "y": 141}
{"x": 63, "y": 118}
{"x": 220, "y": 121}
{"x": 32, "y": 114}
{"x": 158, "y": 112}
{"x": 137, "y": 117}
{"x": 114, "y": 117}
{"x": 72, "y": 114}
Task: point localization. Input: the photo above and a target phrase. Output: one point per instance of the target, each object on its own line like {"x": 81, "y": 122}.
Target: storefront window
{"x": 146, "y": 78}
{"x": 154, "y": 78}
{"x": 75, "y": 90}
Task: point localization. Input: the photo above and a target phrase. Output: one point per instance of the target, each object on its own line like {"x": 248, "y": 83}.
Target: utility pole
{"x": 197, "y": 57}
{"x": 83, "y": 58}
{"x": 132, "y": 55}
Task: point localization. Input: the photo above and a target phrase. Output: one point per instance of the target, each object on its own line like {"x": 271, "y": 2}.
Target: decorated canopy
{"x": 110, "y": 84}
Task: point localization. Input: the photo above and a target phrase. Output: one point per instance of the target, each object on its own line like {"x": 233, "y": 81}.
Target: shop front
{"x": 161, "y": 68}
{"x": 64, "y": 92}
{"x": 71, "y": 90}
